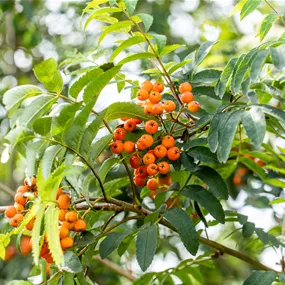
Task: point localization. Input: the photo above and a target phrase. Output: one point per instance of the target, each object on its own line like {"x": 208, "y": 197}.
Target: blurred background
{"x": 33, "y": 30}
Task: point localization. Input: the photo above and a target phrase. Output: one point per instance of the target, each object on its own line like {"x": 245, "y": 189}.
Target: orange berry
{"x": 169, "y": 106}
{"x": 155, "y": 97}
{"x": 19, "y": 198}
{"x": 168, "y": 141}
{"x": 147, "y": 140}
{"x": 124, "y": 119}
{"x": 194, "y": 106}
{"x": 130, "y": 125}
{"x": 129, "y": 147}
{"x": 10, "y": 212}
{"x": 61, "y": 214}
{"x": 10, "y": 252}
{"x": 163, "y": 167}
{"x": 242, "y": 171}
{"x": 63, "y": 232}
{"x": 148, "y": 108}
{"x": 67, "y": 225}
{"x": 67, "y": 242}
{"x": 59, "y": 192}
{"x": 19, "y": 207}
{"x": 135, "y": 162}
{"x": 63, "y": 201}
{"x": 157, "y": 109}
{"x": 187, "y": 97}
{"x": 165, "y": 180}
{"x": 71, "y": 216}
{"x": 148, "y": 158}
{"x": 48, "y": 258}
{"x": 237, "y": 180}
{"x": 151, "y": 126}
{"x": 173, "y": 153}
{"x": 185, "y": 87}
{"x": 259, "y": 162}
{"x": 117, "y": 147}
{"x": 80, "y": 225}
{"x": 147, "y": 85}
{"x": 22, "y": 189}
{"x": 140, "y": 144}
{"x": 158, "y": 86}
{"x": 172, "y": 202}
{"x": 139, "y": 180}
{"x": 138, "y": 121}
{"x": 142, "y": 94}
{"x": 152, "y": 184}
{"x": 141, "y": 171}
{"x": 160, "y": 151}
{"x": 119, "y": 134}
{"x": 44, "y": 249}
{"x": 25, "y": 245}
{"x": 30, "y": 224}
{"x": 152, "y": 169}
{"x": 33, "y": 181}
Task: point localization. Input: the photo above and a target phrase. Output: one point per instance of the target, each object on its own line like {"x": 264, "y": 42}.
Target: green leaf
{"x": 253, "y": 166}
{"x": 249, "y": 7}
{"x": 136, "y": 56}
{"x": 32, "y": 152}
{"x": 36, "y": 109}
{"x": 146, "y": 246}
{"x": 203, "y": 154}
{"x": 98, "y": 147}
{"x": 257, "y": 64}
{"x": 226, "y": 136}
{"x": 110, "y": 243}
{"x": 203, "y": 51}
{"x": 160, "y": 40}
{"x": 78, "y": 85}
{"x": 267, "y": 24}
{"x": 47, "y": 161}
{"x": 115, "y": 184}
{"x": 73, "y": 133}
{"x": 207, "y": 75}
{"x": 178, "y": 65}
{"x": 42, "y": 125}
{"x": 206, "y": 200}
{"x": 221, "y": 86}
{"x": 278, "y": 56}
{"x": 255, "y": 125}
{"x": 89, "y": 135}
{"x": 277, "y": 201}
{"x": 130, "y": 6}
{"x": 238, "y": 7}
{"x": 215, "y": 182}
{"x": 126, "y": 243}
{"x": 13, "y": 98}
{"x": 48, "y": 74}
{"x": 240, "y": 70}
{"x": 248, "y": 229}
{"x": 125, "y": 110}
{"x": 19, "y": 282}
{"x": 106, "y": 167}
{"x": 185, "y": 228}
{"x": 126, "y": 44}
{"x": 52, "y": 233}
{"x": 146, "y": 19}
{"x": 123, "y": 26}
{"x": 94, "y": 88}
{"x": 188, "y": 162}
{"x": 275, "y": 182}
{"x": 170, "y": 48}
{"x": 36, "y": 232}
{"x": 72, "y": 263}
{"x": 274, "y": 112}
{"x": 261, "y": 278}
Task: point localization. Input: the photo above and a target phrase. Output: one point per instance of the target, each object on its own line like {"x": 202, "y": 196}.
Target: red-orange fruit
{"x": 158, "y": 86}
{"x": 10, "y": 212}
{"x": 154, "y": 97}
{"x": 117, "y": 147}
{"x": 119, "y": 134}
{"x": 163, "y": 167}
{"x": 63, "y": 232}
{"x": 152, "y": 169}
{"x": 168, "y": 141}
{"x": 63, "y": 201}
{"x": 147, "y": 85}
{"x": 71, "y": 216}
{"x": 160, "y": 151}
{"x": 194, "y": 106}
{"x": 151, "y": 127}
{"x": 187, "y": 97}
{"x": 67, "y": 242}
{"x": 80, "y": 225}
{"x": 142, "y": 94}
{"x": 152, "y": 184}
{"x": 129, "y": 147}
{"x": 185, "y": 87}
{"x": 139, "y": 180}
{"x": 173, "y": 153}
{"x": 130, "y": 125}
{"x": 169, "y": 106}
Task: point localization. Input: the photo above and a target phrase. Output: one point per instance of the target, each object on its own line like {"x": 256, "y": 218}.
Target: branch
{"x": 276, "y": 12}
{"x": 117, "y": 269}
{"x": 7, "y": 190}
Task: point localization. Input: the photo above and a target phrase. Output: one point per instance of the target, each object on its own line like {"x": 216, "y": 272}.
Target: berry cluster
{"x": 152, "y": 153}
{"x": 23, "y": 195}
{"x": 68, "y": 219}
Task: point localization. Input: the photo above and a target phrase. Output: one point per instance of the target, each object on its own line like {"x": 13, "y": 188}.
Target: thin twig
{"x": 7, "y": 190}
{"x": 275, "y": 11}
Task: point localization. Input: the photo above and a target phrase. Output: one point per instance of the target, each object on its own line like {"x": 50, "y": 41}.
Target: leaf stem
{"x": 275, "y": 11}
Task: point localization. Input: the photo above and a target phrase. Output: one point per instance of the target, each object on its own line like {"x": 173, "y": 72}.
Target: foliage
{"x": 63, "y": 136}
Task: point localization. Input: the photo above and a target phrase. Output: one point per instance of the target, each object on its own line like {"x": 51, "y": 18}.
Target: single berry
{"x": 147, "y": 85}
{"x": 155, "y": 97}
{"x": 142, "y": 94}
{"x": 152, "y": 169}
{"x": 63, "y": 201}
{"x": 147, "y": 140}
{"x": 67, "y": 242}
{"x": 148, "y": 158}
{"x": 194, "y": 106}
{"x": 168, "y": 141}
{"x": 151, "y": 127}
{"x": 117, "y": 147}
{"x": 129, "y": 147}
{"x": 158, "y": 86}
{"x": 119, "y": 134}
{"x": 152, "y": 184}
{"x": 160, "y": 151}
{"x": 163, "y": 167}
{"x": 173, "y": 153}
{"x": 130, "y": 125}
{"x": 71, "y": 216}
{"x": 185, "y": 87}
{"x": 135, "y": 162}
{"x": 139, "y": 180}
{"x": 187, "y": 97}
{"x": 169, "y": 106}
{"x": 10, "y": 212}
{"x": 157, "y": 109}
{"x": 63, "y": 232}
{"x": 80, "y": 225}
